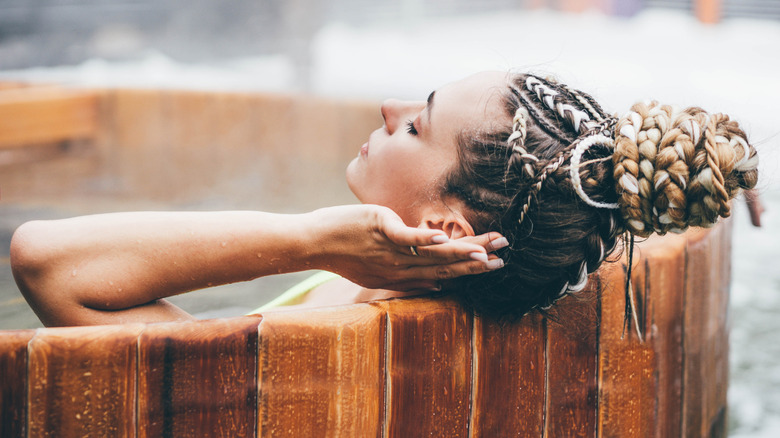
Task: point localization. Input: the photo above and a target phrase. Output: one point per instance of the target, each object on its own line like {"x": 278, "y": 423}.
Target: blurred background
{"x": 719, "y": 54}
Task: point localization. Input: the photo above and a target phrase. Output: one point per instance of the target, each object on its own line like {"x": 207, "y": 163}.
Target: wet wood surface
{"x": 508, "y": 390}
{"x": 572, "y": 365}
{"x": 198, "y": 379}
{"x": 628, "y": 389}
{"x": 706, "y": 334}
{"x": 13, "y": 382}
{"x": 398, "y": 368}
{"x": 428, "y": 368}
{"x": 665, "y": 281}
{"x": 82, "y": 381}
{"x": 322, "y": 372}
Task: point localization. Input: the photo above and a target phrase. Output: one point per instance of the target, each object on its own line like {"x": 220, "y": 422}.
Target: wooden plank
{"x": 322, "y": 372}
{"x": 698, "y": 290}
{"x": 237, "y": 150}
{"x": 665, "y": 279}
{"x": 428, "y": 368}
{"x": 198, "y": 378}
{"x": 138, "y": 140}
{"x": 508, "y": 394}
{"x": 717, "y": 332}
{"x": 193, "y": 143}
{"x": 82, "y": 381}
{"x": 627, "y": 393}
{"x": 572, "y": 365}
{"x": 13, "y": 384}
{"x": 44, "y": 115}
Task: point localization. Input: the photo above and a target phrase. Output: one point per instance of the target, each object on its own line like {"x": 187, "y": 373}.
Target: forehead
{"x": 473, "y": 103}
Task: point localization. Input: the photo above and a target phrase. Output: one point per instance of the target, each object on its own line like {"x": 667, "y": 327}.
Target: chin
{"x": 351, "y": 176}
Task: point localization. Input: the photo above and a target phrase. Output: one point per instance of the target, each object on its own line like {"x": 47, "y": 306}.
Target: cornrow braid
{"x": 588, "y": 103}
{"x": 552, "y": 95}
{"x": 565, "y": 180}
{"x": 520, "y": 157}
{"x": 537, "y": 112}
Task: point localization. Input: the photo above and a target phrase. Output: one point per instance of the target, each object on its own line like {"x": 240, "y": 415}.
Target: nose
{"x": 395, "y": 112}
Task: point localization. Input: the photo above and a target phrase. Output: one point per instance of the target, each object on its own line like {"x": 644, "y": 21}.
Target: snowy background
{"x": 731, "y": 67}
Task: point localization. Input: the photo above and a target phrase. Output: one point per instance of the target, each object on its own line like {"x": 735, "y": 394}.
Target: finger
{"x": 491, "y": 241}
{"x": 452, "y": 270}
{"x": 415, "y": 287}
{"x": 405, "y": 236}
{"x": 474, "y": 248}
{"x": 446, "y": 253}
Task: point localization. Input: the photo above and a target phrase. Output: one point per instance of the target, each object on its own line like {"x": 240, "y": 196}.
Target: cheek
{"x": 398, "y": 179}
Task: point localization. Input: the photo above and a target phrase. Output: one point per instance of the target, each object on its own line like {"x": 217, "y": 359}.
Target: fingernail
{"x": 440, "y": 238}
{"x": 495, "y": 264}
{"x": 479, "y": 256}
{"x": 499, "y": 243}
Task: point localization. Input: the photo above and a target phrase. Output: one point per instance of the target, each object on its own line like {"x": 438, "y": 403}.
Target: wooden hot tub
{"x": 411, "y": 367}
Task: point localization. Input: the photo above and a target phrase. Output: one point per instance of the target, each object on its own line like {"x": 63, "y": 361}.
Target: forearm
{"x": 117, "y": 261}
{"x": 122, "y": 264}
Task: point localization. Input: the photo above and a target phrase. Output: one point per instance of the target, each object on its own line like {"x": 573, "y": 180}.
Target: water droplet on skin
{"x": 259, "y": 255}
{"x": 73, "y": 273}
{"x": 224, "y": 244}
{"x": 110, "y": 283}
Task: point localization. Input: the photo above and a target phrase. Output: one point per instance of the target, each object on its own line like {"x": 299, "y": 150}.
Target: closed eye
{"x": 410, "y": 127}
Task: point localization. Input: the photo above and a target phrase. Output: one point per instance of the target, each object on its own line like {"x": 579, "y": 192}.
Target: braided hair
{"x": 566, "y": 180}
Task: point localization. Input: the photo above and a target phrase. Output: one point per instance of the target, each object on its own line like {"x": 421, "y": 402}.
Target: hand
{"x": 370, "y": 245}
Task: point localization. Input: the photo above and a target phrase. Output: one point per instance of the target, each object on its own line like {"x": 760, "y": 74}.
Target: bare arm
{"x": 117, "y": 267}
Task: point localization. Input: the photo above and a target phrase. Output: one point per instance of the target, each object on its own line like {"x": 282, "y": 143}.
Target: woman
{"x": 489, "y": 156}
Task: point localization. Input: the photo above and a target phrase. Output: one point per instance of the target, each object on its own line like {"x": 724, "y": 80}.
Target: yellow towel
{"x": 294, "y": 294}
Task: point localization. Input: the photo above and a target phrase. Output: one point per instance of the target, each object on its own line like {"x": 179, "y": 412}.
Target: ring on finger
{"x": 414, "y": 250}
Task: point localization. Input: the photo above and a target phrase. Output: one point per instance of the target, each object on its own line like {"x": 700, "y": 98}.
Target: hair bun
{"x": 674, "y": 169}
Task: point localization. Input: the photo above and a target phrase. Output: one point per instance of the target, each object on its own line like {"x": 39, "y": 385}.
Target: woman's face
{"x": 405, "y": 162}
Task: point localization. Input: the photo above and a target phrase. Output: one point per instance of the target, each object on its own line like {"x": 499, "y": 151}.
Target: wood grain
{"x": 508, "y": 393}
{"x": 30, "y": 116}
{"x": 706, "y": 333}
{"x": 82, "y": 381}
{"x": 665, "y": 279}
{"x": 572, "y": 365}
{"x": 13, "y": 382}
{"x": 428, "y": 368}
{"x": 627, "y": 396}
{"x": 198, "y": 379}
{"x": 322, "y": 372}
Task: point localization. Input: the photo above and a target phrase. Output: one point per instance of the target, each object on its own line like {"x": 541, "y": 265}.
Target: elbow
{"x": 27, "y": 254}
{"x": 30, "y": 259}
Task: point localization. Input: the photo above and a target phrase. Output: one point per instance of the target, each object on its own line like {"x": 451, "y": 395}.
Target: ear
{"x": 451, "y": 222}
